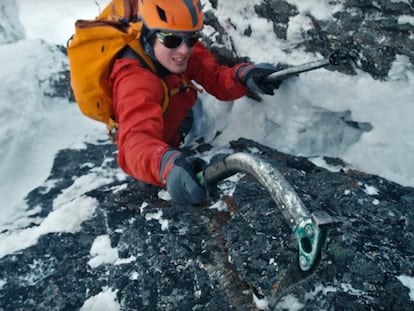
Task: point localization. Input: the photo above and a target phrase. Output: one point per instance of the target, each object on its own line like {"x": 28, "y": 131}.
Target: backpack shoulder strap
{"x": 136, "y": 47}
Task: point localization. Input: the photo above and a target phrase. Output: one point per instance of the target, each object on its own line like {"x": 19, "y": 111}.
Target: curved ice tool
{"x": 310, "y": 228}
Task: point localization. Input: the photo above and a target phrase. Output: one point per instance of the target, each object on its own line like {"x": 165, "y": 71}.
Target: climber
{"x": 148, "y": 139}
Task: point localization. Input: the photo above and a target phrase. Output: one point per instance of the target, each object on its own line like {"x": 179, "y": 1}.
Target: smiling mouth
{"x": 179, "y": 60}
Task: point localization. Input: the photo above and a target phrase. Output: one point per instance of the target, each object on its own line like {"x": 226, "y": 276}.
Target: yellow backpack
{"x": 93, "y": 49}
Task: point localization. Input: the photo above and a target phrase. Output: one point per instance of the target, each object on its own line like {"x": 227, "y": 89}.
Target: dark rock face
{"x": 371, "y": 29}
{"x": 364, "y": 253}
{"x": 196, "y": 258}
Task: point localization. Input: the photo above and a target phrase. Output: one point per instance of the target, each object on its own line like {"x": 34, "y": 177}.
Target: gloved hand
{"x": 180, "y": 172}
{"x": 253, "y": 76}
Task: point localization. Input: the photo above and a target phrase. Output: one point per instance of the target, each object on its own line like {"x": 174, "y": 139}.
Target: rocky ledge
{"x": 237, "y": 255}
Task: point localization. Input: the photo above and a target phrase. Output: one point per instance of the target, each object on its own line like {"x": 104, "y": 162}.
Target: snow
{"x": 406, "y": 19}
{"x": 371, "y": 190}
{"x": 158, "y": 216}
{"x": 297, "y": 120}
{"x": 403, "y": 1}
{"x": 33, "y": 127}
{"x": 53, "y": 21}
{"x": 408, "y": 281}
{"x": 67, "y": 218}
{"x": 289, "y": 302}
{"x": 261, "y": 303}
{"x": 102, "y": 252}
{"x": 105, "y": 300}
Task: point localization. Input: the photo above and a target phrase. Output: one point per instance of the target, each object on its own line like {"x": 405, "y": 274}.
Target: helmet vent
{"x": 162, "y": 14}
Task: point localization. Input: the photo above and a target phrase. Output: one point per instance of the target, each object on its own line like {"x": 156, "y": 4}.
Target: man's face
{"x": 173, "y": 50}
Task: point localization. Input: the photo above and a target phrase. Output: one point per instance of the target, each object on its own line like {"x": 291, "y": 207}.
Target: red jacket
{"x": 144, "y": 134}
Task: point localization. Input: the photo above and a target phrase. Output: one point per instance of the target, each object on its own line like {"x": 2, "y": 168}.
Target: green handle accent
{"x": 308, "y": 238}
{"x": 311, "y": 234}
{"x": 200, "y": 178}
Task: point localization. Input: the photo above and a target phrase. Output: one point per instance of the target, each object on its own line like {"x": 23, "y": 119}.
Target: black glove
{"x": 181, "y": 179}
{"x": 253, "y": 76}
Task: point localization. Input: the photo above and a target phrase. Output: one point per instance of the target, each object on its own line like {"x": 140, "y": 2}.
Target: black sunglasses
{"x": 172, "y": 41}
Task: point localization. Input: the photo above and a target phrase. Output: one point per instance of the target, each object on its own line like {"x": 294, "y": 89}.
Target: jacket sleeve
{"x": 137, "y": 95}
{"x": 218, "y": 80}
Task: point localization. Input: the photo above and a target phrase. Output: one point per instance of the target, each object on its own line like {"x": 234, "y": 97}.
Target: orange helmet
{"x": 171, "y": 15}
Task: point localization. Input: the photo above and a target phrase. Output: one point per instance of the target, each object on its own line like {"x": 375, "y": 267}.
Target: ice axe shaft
{"x": 295, "y": 70}
{"x": 336, "y": 58}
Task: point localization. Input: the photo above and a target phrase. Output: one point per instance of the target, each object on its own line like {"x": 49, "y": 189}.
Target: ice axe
{"x": 310, "y": 228}
{"x": 339, "y": 57}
